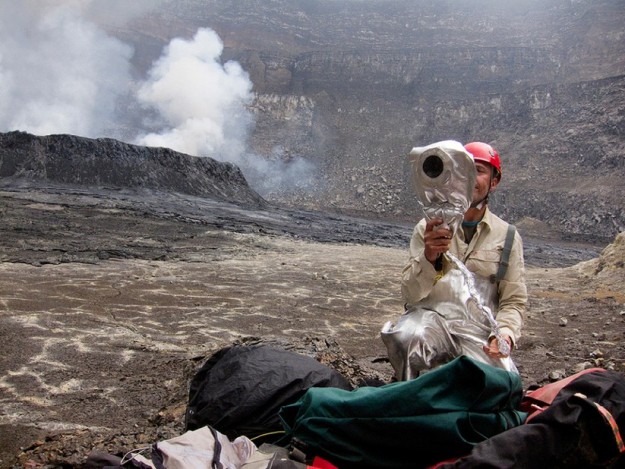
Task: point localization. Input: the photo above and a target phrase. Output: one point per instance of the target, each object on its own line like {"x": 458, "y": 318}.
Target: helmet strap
{"x": 480, "y": 203}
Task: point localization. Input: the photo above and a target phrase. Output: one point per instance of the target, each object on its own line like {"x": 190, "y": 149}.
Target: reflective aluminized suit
{"x": 442, "y": 320}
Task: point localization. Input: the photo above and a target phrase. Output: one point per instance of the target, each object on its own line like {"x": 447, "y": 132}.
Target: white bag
{"x": 204, "y": 448}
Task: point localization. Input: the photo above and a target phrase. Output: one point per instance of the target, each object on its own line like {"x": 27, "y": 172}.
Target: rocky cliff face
{"x": 109, "y": 163}
{"x": 353, "y": 85}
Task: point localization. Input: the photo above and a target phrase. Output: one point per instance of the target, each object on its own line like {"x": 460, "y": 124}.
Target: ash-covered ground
{"x": 111, "y": 299}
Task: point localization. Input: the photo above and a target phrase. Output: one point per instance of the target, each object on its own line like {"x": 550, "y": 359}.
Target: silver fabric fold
{"x": 446, "y": 324}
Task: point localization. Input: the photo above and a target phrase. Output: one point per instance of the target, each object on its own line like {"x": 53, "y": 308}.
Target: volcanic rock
{"x": 110, "y": 163}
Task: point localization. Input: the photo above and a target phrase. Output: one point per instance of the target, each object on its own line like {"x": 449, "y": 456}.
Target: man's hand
{"x": 492, "y": 348}
{"x": 435, "y": 241}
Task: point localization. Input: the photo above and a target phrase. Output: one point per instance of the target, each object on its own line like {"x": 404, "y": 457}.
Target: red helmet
{"x": 484, "y": 152}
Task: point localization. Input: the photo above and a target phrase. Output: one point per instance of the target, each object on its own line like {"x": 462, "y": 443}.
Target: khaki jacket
{"x": 481, "y": 256}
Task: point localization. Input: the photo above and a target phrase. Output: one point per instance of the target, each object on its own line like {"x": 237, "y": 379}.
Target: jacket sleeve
{"x": 418, "y": 274}
{"x": 513, "y": 293}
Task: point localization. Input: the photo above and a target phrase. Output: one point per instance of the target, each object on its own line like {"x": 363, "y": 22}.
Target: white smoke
{"x": 61, "y": 72}
{"x": 277, "y": 173}
{"x": 203, "y": 110}
{"x": 202, "y": 103}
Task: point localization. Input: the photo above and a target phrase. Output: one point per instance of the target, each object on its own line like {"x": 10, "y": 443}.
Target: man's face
{"x": 484, "y": 181}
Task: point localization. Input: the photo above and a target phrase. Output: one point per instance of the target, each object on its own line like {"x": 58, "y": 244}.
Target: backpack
{"x": 240, "y": 389}
{"x": 577, "y": 422}
{"x": 205, "y": 448}
{"x": 407, "y": 424}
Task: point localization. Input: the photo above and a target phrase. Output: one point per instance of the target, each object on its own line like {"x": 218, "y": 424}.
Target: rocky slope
{"x": 110, "y": 163}
{"x": 353, "y": 85}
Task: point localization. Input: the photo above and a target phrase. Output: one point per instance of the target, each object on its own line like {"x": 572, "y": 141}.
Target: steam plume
{"x": 202, "y": 103}
{"x": 61, "y": 72}
{"x": 58, "y": 72}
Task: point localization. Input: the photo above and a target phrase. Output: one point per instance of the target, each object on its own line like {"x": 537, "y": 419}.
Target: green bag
{"x": 437, "y": 416}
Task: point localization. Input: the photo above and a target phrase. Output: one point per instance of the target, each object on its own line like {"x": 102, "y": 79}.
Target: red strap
{"x": 320, "y": 463}
{"x": 537, "y": 400}
{"x": 443, "y": 463}
{"x": 609, "y": 419}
